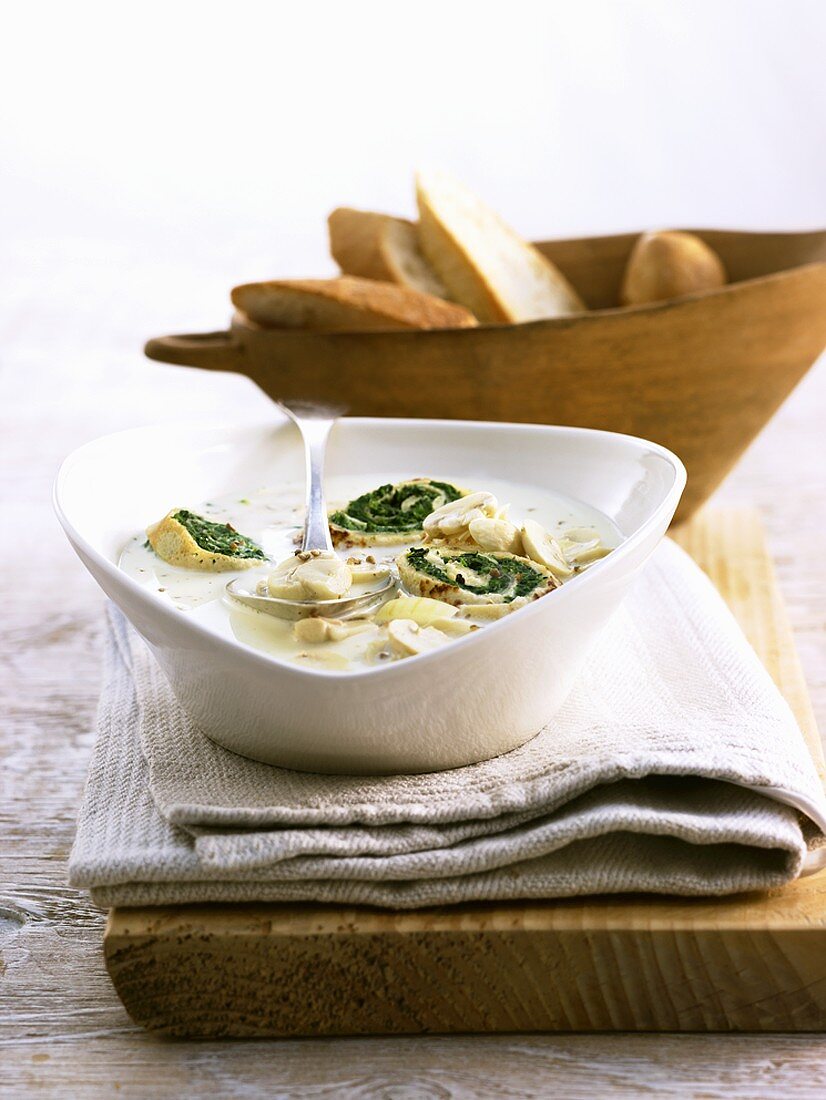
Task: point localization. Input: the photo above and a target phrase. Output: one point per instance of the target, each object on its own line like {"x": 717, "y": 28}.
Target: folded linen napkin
{"x": 674, "y": 766}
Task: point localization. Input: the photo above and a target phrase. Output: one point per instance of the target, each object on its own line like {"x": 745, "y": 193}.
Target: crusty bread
{"x": 668, "y": 265}
{"x": 347, "y": 304}
{"x": 378, "y": 246}
{"x": 355, "y": 243}
{"x": 484, "y": 264}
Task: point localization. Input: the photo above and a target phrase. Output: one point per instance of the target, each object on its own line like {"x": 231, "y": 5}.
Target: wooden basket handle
{"x": 209, "y": 350}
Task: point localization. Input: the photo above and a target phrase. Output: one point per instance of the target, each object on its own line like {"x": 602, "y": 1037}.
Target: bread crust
{"x": 380, "y": 246}
{"x": 355, "y": 242}
{"x": 346, "y": 304}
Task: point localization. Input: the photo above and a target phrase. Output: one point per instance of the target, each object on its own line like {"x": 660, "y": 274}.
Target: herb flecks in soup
{"x": 461, "y": 560}
{"x": 391, "y": 513}
{"x": 191, "y": 541}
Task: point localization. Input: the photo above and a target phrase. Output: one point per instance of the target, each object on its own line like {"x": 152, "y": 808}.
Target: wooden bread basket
{"x": 700, "y": 374}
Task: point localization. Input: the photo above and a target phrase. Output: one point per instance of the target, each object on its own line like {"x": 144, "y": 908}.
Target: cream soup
{"x": 273, "y": 518}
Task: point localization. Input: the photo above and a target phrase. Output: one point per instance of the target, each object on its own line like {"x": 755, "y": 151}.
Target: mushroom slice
{"x": 310, "y": 575}
{"x": 582, "y": 545}
{"x": 496, "y": 534}
{"x": 312, "y": 630}
{"x": 542, "y": 547}
{"x": 365, "y": 571}
{"x": 453, "y": 519}
{"x": 407, "y": 638}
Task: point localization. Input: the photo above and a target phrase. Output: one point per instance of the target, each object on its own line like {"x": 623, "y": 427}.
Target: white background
{"x": 191, "y": 145}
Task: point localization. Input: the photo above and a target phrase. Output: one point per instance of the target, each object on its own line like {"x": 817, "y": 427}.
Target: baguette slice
{"x": 378, "y": 246}
{"x": 484, "y": 264}
{"x": 346, "y": 304}
{"x": 667, "y": 265}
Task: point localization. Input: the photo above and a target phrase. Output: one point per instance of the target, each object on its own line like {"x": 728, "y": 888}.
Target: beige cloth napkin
{"x": 674, "y": 766}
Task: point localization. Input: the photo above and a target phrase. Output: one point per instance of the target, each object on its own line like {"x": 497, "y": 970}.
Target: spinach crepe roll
{"x": 391, "y": 513}
{"x": 473, "y": 577}
{"x": 185, "y": 539}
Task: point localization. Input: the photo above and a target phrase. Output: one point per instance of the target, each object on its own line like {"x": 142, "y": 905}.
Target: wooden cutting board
{"x": 749, "y": 963}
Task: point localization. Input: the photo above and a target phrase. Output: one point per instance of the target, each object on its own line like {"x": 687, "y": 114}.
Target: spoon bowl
{"x": 348, "y": 607}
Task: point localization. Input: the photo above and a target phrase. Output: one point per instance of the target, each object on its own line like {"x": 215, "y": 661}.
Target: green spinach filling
{"x": 395, "y": 508}
{"x": 218, "y": 538}
{"x": 509, "y": 577}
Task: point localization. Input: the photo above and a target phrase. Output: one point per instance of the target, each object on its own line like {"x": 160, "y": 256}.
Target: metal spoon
{"x": 314, "y": 422}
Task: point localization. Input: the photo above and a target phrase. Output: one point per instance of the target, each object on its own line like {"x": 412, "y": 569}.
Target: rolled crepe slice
{"x": 472, "y": 577}
{"x": 391, "y": 513}
{"x": 190, "y": 541}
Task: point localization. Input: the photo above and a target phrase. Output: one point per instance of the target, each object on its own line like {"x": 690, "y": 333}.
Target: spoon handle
{"x": 314, "y": 432}
{"x": 316, "y": 524}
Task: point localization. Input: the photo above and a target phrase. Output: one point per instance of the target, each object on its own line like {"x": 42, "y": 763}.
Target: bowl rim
{"x": 667, "y": 506}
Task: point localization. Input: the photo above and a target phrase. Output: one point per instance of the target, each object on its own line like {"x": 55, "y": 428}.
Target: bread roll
{"x": 669, "y": 264}
{"x": 484, "y": 264}
{"x": 347, "y": 304}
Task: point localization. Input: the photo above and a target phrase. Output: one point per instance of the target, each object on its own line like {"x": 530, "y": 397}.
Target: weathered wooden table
{"x": 72, "y": 369}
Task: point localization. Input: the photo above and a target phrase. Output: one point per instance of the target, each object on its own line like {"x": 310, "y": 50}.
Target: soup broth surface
{"x": 273, "y": 517}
